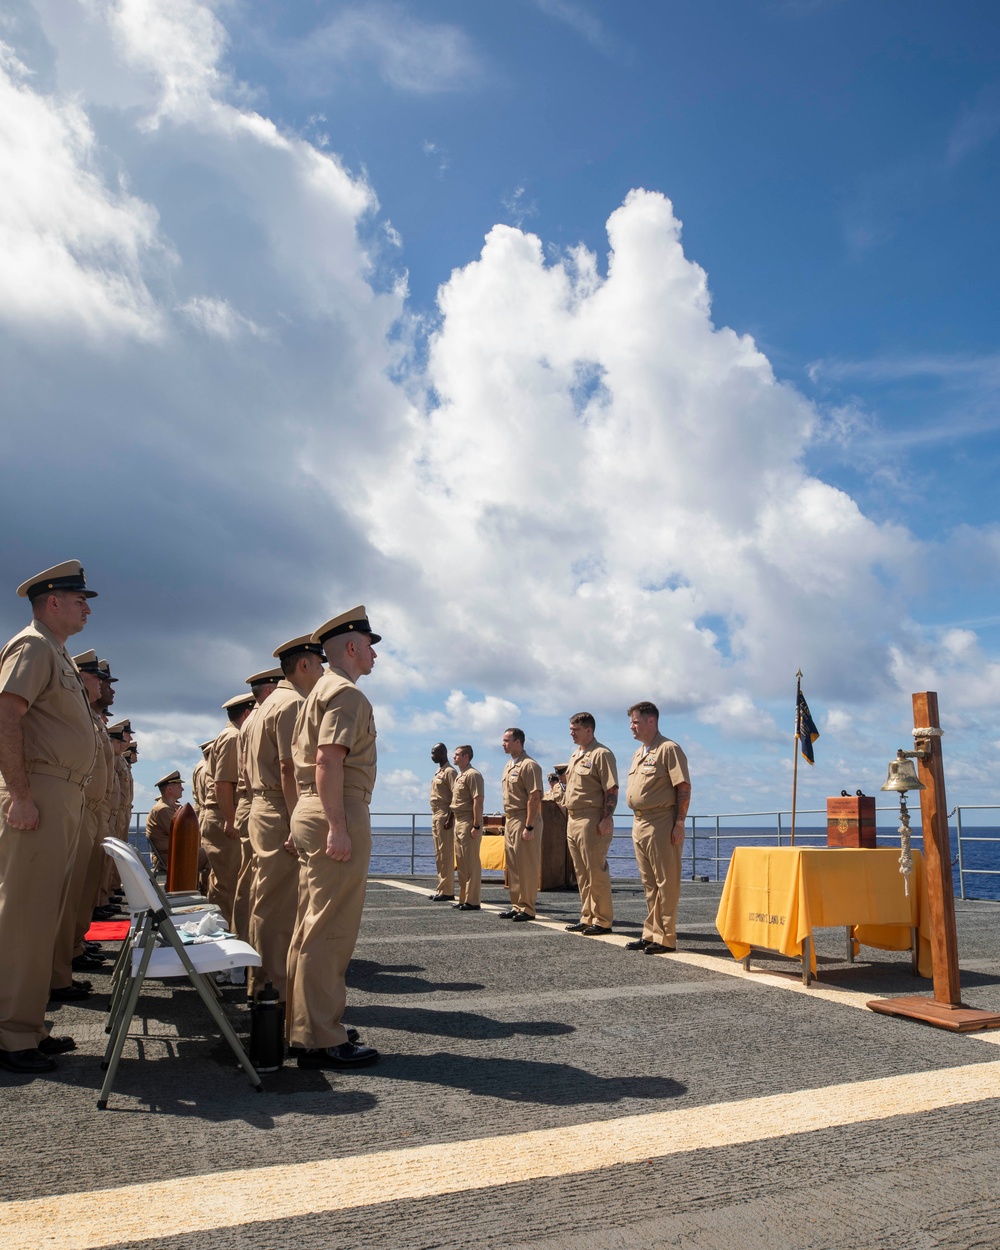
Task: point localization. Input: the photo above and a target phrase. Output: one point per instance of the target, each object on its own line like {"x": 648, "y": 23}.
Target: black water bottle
{"x": 267, "y": 1030}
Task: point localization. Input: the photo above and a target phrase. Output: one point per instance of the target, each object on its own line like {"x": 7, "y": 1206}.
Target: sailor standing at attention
{"x": 161, "y": 815}
{"x": 443, "y": 823}
{"x": 522, "y": 809}
{"x": 591, "y": 799}
{"x": 262, "y": 686}
{"x": 467, "y": 805}
{"x": 93, "y": 830}
{"x": 218, "y": 817}
{"x": 335, "y": 761}
{"x": 47, "y": 748}
{"x": 271, "y": 775}
{"x": 658, "y": 792}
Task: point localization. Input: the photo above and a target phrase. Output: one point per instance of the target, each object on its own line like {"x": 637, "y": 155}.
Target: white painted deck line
{"x": 158, "y": 1210}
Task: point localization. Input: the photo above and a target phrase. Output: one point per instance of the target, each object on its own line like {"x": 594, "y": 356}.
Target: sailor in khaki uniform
{"x": 161, "y": 817}
{"x": 218, "y": 824}
{"x": 591, "y": 798}
{"x": 201, "y": 781}
{"x": 443, "y": 824}
{"x": 271, "y": 774}
{"x": 522, "y": 809}
{"x": 556, "y": 792}
{"x": 335, "y": 762}
{"x": 120, "y": 818}
{"x": 47, "y": 748}
{"x": 467, "y": 797}
{"x": 658, "y": 792}
{"x": 70, "y": 952}
{"x": 261, "y": 686}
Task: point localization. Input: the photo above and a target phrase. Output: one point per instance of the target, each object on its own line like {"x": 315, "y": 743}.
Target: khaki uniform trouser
{"x": 523, "y": 856}
{"x": 246, "y": 878}
{"x": 92, "y": 878}
{"x": 65, "y": 947}
{"x": 327, "y": 932}
{"x": 444, "y": 851}
{"x": 589, "y": 852}
{"x": 224, "y": 859}
{"x": 35, "y": 868}
{"x": 468, "y": 859}
{"x": 659, "y": 861}
{"x": 272, "y": 921}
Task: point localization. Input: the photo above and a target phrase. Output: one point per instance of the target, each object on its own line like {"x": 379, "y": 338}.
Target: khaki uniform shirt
{"x": 115, "y": 798}
{"x": 269, "y": 739}
{"x": 336, "y": 713}
{"x": 58, "y": 727}
{"x": 158, "y": 823}
{"x": 468, "y": 787}
{"x": 123, "y": 816}
{"x": 243, "y": 739}
{"x": 520, "y": 778}
{"x": 655, "y": 774}
{"x": 591, "y": 773}
{"x": 557, "y": 795}
{"x": 224, "y": 764}
{"x": 101, "y": 785}
{"x": 202, "y": 786}
{"x": 442, "y": 784}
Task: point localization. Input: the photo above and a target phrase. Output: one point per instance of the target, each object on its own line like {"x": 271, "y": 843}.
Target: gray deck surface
{"x": 488, "y": 1029}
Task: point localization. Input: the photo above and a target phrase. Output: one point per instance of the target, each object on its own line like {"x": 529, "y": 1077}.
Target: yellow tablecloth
{"x": 775, "y": 896}
{"x": 491, "y": 852}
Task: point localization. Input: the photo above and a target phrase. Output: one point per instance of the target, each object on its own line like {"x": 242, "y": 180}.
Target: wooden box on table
{"x": 850, "y": 821}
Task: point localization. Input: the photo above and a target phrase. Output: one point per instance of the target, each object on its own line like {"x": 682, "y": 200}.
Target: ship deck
{"x": 537, "y": 1088}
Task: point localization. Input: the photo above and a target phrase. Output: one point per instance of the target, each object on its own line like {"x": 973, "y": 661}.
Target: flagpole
{"x": 795, "y": 751}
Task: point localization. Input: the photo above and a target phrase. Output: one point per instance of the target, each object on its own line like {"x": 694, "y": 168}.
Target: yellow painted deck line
{"x": 727, "y": 966}
{"x": 157, "y": 1210}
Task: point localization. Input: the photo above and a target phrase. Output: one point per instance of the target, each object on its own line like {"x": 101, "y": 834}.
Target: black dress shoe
{"x": 88, "y": 962}
{"x": 71, "y": 993}
{"x": 579, "y": 927}
{"x": 639, "y": 944}
{"x": 26, "y": 1061}
{"x": 592, "y": 930}
{"x": 352, "y": 1036}
{"x": 347, "y": 1055}
{"x": 654, "y": 948}
{"x": 521, "y": 917}
{"x": 56, "y": 1045}
{"x": 507, "y": 915}
{"x": 441, "y": 898}
{"x": 469, "y": 906}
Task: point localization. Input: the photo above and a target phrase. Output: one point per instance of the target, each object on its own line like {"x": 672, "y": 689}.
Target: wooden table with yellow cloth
{"x": 775, "y": 896}
{"x": 491, "y": 852}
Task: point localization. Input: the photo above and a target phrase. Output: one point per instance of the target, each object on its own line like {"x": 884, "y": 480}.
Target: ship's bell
{"x": 902, "y": 775}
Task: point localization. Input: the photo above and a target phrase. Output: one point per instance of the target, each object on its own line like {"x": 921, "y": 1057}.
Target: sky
{"x": 604, "y": 352}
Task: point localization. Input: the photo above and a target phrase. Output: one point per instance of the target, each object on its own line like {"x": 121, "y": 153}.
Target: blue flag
{"x": 805, "y": 728}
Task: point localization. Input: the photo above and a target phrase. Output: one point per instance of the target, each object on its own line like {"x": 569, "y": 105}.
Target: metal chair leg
{"x": 118, "y": 1040}
{"x": 211, "y": 998}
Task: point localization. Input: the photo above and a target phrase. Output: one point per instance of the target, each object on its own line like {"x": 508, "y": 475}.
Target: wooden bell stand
{"x": 946, "y": 1009}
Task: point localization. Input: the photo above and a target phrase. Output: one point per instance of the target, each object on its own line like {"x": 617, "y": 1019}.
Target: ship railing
{"x": 708, "y": 846}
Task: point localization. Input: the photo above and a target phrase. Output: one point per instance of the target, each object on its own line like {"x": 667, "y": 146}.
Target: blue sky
{"x": 261, "y": 364}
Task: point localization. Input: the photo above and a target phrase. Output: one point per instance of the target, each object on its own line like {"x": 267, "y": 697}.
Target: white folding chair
{"x": 148, "y": 960}
{"x": 189, "y": 907}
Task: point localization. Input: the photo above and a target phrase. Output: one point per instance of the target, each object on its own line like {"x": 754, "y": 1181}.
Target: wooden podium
{"x": 185, "y": 843}
{"x": 555, "y": 869}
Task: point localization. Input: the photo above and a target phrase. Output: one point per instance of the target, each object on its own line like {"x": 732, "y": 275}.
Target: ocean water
{"x": 409, "y": 851}
{"x": 405, "y": 852}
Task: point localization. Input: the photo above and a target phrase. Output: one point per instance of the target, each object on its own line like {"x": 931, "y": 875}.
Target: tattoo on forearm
{"x": 610, "y": 802}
